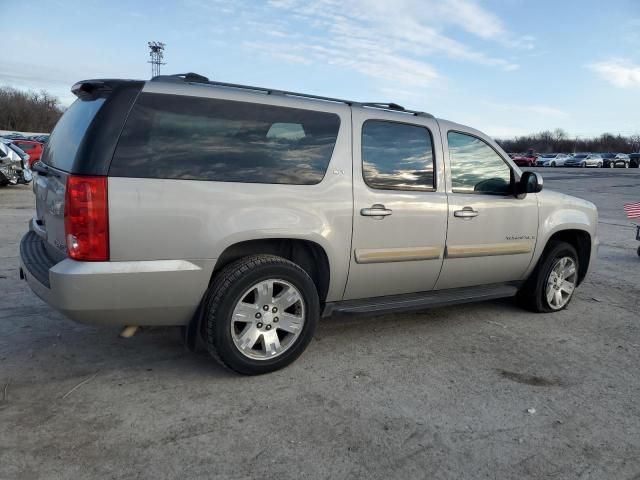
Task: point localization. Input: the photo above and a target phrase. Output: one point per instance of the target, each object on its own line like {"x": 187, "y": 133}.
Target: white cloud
{"x": 619, "y": 72}
{"x": 395, "y": 43}
{"x": 544, "y": 111}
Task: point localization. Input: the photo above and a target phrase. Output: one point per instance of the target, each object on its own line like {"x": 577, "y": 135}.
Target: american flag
{"x": 632, "y": 210}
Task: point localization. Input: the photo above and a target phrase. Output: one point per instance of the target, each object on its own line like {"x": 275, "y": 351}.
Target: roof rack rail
{"x": 191, "y": 77}
{"x": 396, "y": 108}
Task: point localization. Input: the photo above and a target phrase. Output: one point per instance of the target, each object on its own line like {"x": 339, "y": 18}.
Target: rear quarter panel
{"x": 161, "y": 219}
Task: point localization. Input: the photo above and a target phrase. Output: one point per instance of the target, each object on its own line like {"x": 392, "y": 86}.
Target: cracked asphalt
{"x": 481, "y": 390}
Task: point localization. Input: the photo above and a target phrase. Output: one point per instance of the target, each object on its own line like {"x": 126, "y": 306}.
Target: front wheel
{"x": 599, "y": 164}
{"x": 261, "y": 314}
{"x": 611, "y": 165}
{"x": 551, "y": 286}
{"x": 553, "y": 164}
{"x": 583, "y": 164}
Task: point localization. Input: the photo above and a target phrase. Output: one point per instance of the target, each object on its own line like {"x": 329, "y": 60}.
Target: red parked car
{"x": 525, "y": 159}
{"x": 33, "y": 148}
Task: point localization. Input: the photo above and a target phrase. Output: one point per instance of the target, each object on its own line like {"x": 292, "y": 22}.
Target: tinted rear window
{"x": 397, "y": 156}
{"x": 66, "y": 137}
{"x": 182, "y": 137}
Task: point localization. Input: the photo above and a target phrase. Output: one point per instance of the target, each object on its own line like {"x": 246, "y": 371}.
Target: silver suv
{"x": 245, "y": 214}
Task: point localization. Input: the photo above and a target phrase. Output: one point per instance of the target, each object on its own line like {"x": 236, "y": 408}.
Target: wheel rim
{"x": 267, "y": 319}
{"x": 561, "y": 282}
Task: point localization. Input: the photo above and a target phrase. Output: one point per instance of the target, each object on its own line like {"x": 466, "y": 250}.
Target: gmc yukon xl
{"x": 245, "y": 214}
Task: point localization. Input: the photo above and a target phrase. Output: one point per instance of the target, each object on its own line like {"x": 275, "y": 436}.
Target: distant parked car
{"x": 40, "y": 138}
{"x": 552, "y": 160}
{"x": 14, "y": 136}
{"x": 634, "y": 160}
{"x": 34, "y": 149}
{"x": 621, "y": 160}
{"x": 13, "y": 164}
{"x": 525, "y": 159}
{"x": 606, "y": 158}
{"x": 584, "y": 160}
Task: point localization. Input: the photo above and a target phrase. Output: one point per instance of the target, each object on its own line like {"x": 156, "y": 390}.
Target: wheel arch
{"x": 581, "y": 241}
{"x": 309, "y": 255}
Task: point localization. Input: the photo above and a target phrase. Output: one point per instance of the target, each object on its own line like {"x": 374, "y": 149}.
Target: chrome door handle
{"x": 376, "y": 210}
{"x": 466, "y": 212}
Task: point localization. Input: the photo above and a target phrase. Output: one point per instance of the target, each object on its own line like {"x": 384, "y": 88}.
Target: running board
{"x": 419, "y": 301}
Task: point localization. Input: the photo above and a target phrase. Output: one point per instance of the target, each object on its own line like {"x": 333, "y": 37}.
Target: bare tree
{"x": 558, "y": 141}
{"x": 28, "y": 111}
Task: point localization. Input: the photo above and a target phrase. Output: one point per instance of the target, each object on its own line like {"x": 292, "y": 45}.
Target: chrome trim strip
{"x": 488, "y": 250}
{"x": 383, "y": 255}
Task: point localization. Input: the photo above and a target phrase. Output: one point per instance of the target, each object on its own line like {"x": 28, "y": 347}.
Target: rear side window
{"x": 194, "y": 138}
{"x": 68, "y": 134}
{"x": 397, "y": 156}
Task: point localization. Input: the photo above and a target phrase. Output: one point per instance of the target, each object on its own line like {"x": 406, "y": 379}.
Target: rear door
{"x": 400, "y": 207}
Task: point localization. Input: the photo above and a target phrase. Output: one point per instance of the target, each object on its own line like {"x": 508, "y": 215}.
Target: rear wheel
{"x": 551, "y": 285}
{"x": 262, "y": 311}
{"x": 611, "y": 165}
{"x": 599, "y": 164}
{"x": 553, "y": 164}
{"x": 583, "y": 164}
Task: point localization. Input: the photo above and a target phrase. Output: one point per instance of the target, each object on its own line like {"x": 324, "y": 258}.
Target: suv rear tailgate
{"x": 82, "y": 143}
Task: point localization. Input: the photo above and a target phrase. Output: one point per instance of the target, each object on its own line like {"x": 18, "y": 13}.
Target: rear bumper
{"x": 157, "y": 292}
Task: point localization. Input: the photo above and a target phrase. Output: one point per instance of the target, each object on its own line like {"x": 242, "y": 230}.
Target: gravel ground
{"x": 476, "y": 391}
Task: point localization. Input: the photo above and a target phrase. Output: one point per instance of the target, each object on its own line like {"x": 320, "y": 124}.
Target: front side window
{"x": 194, "y": 138}
{"x": 397, "y": 156}
{"x": 476, "y": 167}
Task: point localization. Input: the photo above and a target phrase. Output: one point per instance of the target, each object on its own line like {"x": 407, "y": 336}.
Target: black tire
{"x": 227, "y": 288}
{"x": 532, "y": 294}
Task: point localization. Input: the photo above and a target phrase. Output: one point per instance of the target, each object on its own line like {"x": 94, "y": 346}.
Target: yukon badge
{"x": 520, "y": 237}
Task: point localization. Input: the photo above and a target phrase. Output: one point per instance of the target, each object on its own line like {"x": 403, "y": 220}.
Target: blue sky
{"x": 507, "y": 67}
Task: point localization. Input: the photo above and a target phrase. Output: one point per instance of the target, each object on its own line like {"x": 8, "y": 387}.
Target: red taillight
{"x": 86, "y": 218}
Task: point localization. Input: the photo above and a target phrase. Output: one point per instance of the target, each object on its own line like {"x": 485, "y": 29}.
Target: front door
{"x": 400, "y": 205}
{"x": 492, "y": 234}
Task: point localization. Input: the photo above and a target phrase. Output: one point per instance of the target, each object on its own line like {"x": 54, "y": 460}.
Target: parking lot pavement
{"x": 475, "y": 391}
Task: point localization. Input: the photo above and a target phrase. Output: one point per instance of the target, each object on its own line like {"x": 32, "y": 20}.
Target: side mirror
{"x": 530, "y": 182}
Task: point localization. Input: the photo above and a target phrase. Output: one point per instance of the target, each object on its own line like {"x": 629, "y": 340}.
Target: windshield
{"x": 66, "y": 137}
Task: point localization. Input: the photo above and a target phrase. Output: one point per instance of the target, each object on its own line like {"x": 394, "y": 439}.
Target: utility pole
{"x": 157, "y": 55}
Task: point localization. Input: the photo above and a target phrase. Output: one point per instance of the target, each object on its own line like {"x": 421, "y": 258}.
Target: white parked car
{"x": 552, "y": 160}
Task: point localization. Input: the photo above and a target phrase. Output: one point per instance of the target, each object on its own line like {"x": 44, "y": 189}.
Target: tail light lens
{"x": 86, "y": 218}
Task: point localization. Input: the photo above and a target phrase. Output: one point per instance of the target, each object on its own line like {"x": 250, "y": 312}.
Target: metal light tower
{"x": 157, "y": 55}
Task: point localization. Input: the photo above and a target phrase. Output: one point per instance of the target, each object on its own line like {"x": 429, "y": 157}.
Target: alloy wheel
{"x": 561, "y": 282}
{"x": 267, "y": 319}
